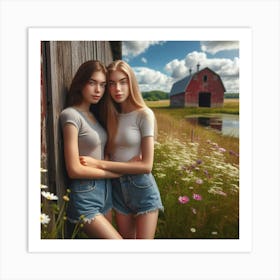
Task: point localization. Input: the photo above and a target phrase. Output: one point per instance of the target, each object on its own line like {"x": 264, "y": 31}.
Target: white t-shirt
{"x": 91, "y": 137}
{"x": 132, "y": 128}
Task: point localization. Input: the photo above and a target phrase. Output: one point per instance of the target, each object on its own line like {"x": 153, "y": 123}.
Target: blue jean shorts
{"x": 89, "y": 198}
{"x": 136, "y": 194}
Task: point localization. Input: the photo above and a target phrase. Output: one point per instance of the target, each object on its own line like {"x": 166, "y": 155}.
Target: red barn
{"x": 201, "y": 89}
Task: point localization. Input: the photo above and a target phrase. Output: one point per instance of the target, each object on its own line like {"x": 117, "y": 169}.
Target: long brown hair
{"x": 112, "y": 108}
{"x": 81, "y": 78}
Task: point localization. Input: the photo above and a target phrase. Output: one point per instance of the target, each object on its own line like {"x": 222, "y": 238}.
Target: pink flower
{"x": 183, "y": 199}
{"x": 197, "y": 196}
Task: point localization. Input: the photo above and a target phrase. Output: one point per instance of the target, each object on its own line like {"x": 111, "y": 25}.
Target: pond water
{"x": 224, "y": 123}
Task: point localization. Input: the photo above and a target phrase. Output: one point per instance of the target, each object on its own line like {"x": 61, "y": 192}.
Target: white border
{"x": 243, "y": 35}
{"x": 263, "y": 17}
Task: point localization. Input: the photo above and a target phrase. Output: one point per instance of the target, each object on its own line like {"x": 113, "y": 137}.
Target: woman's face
{"x": 95, "y": 88}
{"x": 119, "y": 86}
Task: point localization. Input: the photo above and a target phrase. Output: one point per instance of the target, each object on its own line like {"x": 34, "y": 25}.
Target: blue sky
{"x": 158, "y": 64}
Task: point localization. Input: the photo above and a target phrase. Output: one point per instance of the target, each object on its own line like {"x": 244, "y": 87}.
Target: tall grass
{"x": 197, "y": 171}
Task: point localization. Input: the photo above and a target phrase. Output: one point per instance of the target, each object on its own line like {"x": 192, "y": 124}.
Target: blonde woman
{"x": 130, "y": 147}
{"x": 91, "y": 192}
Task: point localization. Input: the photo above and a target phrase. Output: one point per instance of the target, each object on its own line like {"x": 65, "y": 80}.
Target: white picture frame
{"x": 35, "y": 260}
{"x": 243, "y": 36}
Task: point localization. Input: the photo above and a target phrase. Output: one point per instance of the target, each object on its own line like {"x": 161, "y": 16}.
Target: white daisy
{"x": 45, "y": 219}
{"x": 49, "y": 196}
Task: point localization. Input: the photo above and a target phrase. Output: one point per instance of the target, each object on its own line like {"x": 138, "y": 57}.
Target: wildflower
{"x": 206, "y": 173}
{"x": 215, "y": 145}
{"x": 221, "y": 193}
{"x": 197, "y": 196}
{"x": 45, "y": 219}
{"x": 185, "y": 179}
{"x": 183, "y": 199}
{"x": 217, "y": 190}
{"x": 192, "y": 166}
{"x": 199, "y": 161}
{"x": 222, "y": 150}
{"x": 233, "y": 153}
{"x": 193, "y": 230}
{"x": 44, "y": 186}
{"x": 199, "y": 181}
{"x": 193, "y": 210}
{"x": 161, "y": 175}
{"x": 49, "y": 196}
{"x": 184, "y": 168}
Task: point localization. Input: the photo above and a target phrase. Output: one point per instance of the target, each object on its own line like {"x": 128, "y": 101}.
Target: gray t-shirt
{"x": 132, "y": 128}
{"x": 91, "y": 137}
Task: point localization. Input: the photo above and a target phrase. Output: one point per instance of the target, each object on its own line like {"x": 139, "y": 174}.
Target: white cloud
{"x": 144, "y": 60}
{"x": 176, "y": 68}
{"x": 213, "y": 47}
{"x": 134, "y": 48}
{"x": 150, "y": 79}
{"x": 193, "y": 58}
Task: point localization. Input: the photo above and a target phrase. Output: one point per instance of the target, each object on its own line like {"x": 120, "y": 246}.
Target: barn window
{"x": 205, "y": 78}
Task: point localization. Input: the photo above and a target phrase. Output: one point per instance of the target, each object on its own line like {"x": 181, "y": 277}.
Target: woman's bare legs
{"x": 140, "y": 227}
{"x": 100, "y": 227}
{"x": 126, "y": 225}
{"x": 109, "y": 216}
{"x": 146, "y": 225}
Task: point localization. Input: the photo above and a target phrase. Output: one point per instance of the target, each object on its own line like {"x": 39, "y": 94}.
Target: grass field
{"x": 197, "y": 171}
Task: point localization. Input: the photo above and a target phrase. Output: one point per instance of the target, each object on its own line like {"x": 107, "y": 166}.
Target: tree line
{"x": 156, "y": 95}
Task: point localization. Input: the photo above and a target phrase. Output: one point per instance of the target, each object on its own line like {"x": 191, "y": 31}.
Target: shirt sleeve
{"x": 147, "y": 123}
{"x": 69, "y": 116}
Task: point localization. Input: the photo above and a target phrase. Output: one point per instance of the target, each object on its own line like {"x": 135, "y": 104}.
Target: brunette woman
{"x": 83, "y": 135}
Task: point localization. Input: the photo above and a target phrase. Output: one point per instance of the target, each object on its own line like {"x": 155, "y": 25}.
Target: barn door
{"x": 204, "y": 99}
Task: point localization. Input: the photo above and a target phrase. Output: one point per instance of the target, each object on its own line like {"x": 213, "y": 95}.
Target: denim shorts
{"x": 89, "y": 198}
{"x": 136, "y": 194}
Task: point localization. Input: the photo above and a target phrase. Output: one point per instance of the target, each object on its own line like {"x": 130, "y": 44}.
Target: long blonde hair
{"x": 112, "y": 108}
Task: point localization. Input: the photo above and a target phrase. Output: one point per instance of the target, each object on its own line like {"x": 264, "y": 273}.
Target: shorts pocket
{"x": 81, "y": 186}
{"x": 141, "y": 181}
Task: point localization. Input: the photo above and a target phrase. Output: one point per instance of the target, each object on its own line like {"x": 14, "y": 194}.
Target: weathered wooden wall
{"x": 60, "y": 60}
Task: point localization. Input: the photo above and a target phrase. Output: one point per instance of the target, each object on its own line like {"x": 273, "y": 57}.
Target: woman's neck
{"x": 127, "y": 107}
{"x": 82, "y": 107}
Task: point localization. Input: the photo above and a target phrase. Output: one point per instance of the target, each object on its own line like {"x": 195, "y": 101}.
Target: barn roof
{"x": 180, "y": 86}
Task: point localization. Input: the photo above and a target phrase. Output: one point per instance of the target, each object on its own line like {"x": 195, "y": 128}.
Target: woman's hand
{"x": 136, "y": 158}
{"x": 88, "y": 161}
